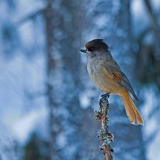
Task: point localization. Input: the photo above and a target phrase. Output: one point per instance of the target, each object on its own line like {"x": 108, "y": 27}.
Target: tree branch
{"x": 156, "y": 27}
{"x": 151, "y": 12}
{"x": 104, "y": 135}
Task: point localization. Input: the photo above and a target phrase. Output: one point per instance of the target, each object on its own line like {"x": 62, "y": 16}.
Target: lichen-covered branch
{"x": 104, "y": 135}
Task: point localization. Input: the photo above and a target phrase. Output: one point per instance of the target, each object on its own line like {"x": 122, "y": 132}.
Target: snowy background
{"x": 132, "y": 30}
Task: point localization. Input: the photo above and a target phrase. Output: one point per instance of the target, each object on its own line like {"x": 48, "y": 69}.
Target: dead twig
{"x": 104, "y": 135}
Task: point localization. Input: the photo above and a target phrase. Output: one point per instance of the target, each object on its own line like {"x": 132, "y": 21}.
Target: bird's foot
{"x": 106, "y": 95}
{"x": 104, "y": 99}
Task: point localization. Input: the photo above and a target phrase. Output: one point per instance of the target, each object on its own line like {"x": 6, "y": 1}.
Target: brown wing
{"x": 114, "y": 72}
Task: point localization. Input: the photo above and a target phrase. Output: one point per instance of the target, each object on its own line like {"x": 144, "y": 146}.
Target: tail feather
{"x": 131, "y": 110}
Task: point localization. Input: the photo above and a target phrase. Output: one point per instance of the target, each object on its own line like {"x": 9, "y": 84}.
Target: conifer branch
{"x": 104, "y": 135}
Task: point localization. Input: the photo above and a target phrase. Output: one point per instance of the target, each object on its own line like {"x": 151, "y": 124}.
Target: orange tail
{"x": 131, "y": 110}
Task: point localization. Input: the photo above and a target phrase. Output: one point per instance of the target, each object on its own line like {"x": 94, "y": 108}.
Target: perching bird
{"x": 108, "y": 77}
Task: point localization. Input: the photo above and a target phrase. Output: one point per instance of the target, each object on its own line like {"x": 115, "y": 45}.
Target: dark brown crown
{"x": 96, "y": 44}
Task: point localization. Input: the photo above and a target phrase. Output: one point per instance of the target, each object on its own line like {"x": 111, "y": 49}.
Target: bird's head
{"x": 95, "y": 48}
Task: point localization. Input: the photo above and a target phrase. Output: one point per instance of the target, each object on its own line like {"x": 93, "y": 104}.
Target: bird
{"x": 109, "y": 78}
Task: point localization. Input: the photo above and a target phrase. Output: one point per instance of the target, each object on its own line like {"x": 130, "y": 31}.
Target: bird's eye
{"x": 91, "y": 49}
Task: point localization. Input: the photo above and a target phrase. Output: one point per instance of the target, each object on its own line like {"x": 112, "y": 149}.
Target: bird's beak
{"x": 83, "y": 50}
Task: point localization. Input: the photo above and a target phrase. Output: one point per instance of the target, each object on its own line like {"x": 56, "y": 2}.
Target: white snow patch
{"x": 23, "y": 126}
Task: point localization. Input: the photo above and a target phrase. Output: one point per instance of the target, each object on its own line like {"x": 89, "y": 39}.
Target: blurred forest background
{"x": 46, "y": 96}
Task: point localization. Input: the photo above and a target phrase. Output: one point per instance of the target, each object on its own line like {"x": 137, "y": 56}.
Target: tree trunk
{"x": 63, "y": 36}
{"x": 117, "y": 32}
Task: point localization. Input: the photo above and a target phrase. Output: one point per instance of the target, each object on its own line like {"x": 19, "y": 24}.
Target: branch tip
{"x": 105, "y": 137}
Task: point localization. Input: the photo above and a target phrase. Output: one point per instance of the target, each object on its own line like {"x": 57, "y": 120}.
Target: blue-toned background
{"x": 46, "y": 96}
